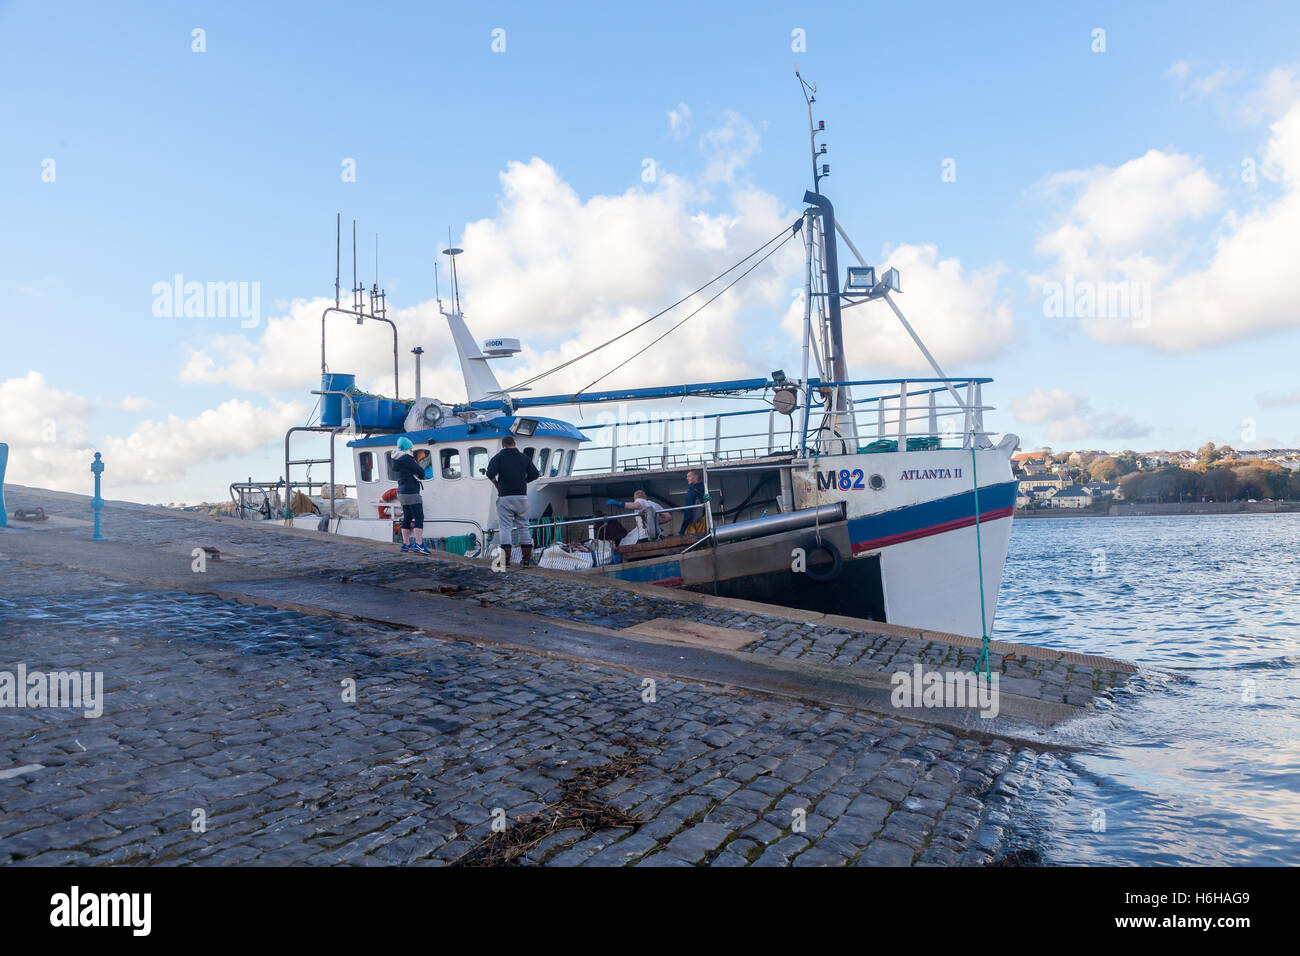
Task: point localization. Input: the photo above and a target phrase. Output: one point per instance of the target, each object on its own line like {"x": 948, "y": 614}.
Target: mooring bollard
{"x": 97, "y": 502}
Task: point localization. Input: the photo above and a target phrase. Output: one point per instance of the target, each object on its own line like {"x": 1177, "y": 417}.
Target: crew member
{"x": 409, "y": 472}
{"x": 510, "y": 471}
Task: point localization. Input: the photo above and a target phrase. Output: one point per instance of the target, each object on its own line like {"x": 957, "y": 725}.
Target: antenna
{"x": 378, "y": 308}
{"x": 338, "y": 241}
{"x": 452, "y": 252}
{"x": 356, "y": 289}
{"x": 809, "y": 91}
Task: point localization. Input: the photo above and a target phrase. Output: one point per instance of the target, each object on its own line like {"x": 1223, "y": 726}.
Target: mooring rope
{"x": 979, "y": 556}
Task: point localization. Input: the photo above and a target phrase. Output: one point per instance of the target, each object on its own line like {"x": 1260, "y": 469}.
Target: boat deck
{"x": 631, "y": 473}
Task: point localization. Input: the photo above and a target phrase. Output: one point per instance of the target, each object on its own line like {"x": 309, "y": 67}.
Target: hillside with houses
{"x": 1092, "y": 479}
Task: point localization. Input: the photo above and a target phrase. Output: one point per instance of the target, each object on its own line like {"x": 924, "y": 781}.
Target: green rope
{"x": 979, "y": 554}
{"x": 546, "y": 531}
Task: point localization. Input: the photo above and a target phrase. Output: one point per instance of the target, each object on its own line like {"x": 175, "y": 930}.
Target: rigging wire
{"x": 790, "y": 232}
{"x": 785, "y": 229}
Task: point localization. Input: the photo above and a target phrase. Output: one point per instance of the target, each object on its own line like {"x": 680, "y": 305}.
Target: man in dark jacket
{"x": 510, "y": 471}
{"x": 694, "y": 495}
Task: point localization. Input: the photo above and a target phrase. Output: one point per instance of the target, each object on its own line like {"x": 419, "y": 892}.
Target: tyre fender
{"x": 837, "y": 559}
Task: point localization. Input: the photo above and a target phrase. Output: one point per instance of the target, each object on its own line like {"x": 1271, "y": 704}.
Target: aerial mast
{"x": 836, "y": 363}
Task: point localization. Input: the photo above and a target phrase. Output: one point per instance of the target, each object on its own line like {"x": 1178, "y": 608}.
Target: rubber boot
{"x": 528, "y": 555}
{"x": 505, "y": 553}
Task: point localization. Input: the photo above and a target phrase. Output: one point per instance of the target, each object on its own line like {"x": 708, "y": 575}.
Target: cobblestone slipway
{"x": 230, "y": 733}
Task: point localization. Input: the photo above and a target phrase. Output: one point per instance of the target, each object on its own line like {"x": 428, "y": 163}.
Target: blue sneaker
{"x": 420, "y": 548}
{"x": 405, "y": 548}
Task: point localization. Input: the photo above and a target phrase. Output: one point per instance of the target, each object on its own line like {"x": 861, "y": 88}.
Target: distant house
{"x": 1030, "y": 462}
{"x": 1041, "y": 483}
{"x": 1040, "y": 489}
{"x": 1288, "y": 458}
{"x": 1100, "y": 489}
{"x": 1072, "y": 496}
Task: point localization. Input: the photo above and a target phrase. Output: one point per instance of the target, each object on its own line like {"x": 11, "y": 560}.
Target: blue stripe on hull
{"x": 930, "y": 517}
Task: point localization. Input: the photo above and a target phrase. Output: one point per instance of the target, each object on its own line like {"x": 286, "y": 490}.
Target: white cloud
{"x": 34, "y": 415}
{"x": 286, "y": 353}
{"x": 955, "y": 311}
{"x": 161, "y": 451}
{"x": 1131, "y": 224}
{"x": 1276, "y": 93}
{"x": 564, "y": 273}
{"x": 1119, "y": 214}
{"x": 1070, "y": 417}
{"x": 728, "y": 148}
{"x": 1214, "y": 82}
{"x": 47, "y": 431}
{"x": 1203, "y": 85}
{"x": 679, "y": 121}
{"x": 1278, "y": 399}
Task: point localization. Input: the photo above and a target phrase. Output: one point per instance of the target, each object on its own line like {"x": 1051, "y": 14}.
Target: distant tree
{"x": 1292, "y": 489}
{"x": 1208, "y": 454}
{"x": 1104, "y": 468}
{"x": 1133, "y": 486}
{"x": 1218, "y": 484}
{"x": 1127, "y": 462}
{"x": 1169, "y": 483}
{"x": 1253, "y": 482}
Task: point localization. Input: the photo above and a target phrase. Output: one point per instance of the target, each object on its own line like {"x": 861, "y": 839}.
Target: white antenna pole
{"x": 807, "y": 318}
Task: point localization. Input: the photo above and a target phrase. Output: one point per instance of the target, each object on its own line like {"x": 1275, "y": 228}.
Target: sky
{"x": 1097, "y": 205}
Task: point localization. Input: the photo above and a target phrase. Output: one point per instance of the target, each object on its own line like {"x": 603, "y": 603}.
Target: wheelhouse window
{"x": 367, "y": 462}
{"x": 568, "y": 462}
{"x": 478, "y": 462}
{"x": 529, "y": 452}
{"x": 450, "y": 462}
{"x": 543, "y": 459}
{"x": 557, "y": 462}
{"x": 388, "y": 466}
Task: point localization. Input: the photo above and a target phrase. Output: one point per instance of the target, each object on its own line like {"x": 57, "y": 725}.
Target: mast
{"x": 836, "y": 363}
{"x": 480, "y": 382}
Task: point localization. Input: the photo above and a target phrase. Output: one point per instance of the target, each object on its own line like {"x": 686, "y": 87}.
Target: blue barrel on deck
{"x": 380, "y": 413}
{"x": 331, "y": 411}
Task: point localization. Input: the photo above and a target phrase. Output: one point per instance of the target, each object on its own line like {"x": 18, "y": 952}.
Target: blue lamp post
{"x": 97, "y": 502}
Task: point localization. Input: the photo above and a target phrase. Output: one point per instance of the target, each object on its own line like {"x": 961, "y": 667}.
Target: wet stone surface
{"x": 591, "y": 601}
{"x": 236, "y": 716}
{"x": 228, "y": 736}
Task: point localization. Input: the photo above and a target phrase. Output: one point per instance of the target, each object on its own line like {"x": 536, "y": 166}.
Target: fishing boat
{"x": 878, "y": 498}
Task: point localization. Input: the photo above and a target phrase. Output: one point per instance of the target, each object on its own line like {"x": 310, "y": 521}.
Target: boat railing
{"x": 921, "y": 416}
{"x": 548, "y": 531}
{"x": 906, "y": 413}
{"x": 249, "y": 496}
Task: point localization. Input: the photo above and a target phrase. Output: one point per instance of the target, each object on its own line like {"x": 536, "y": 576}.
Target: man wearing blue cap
{"x": 409, "y": 472}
